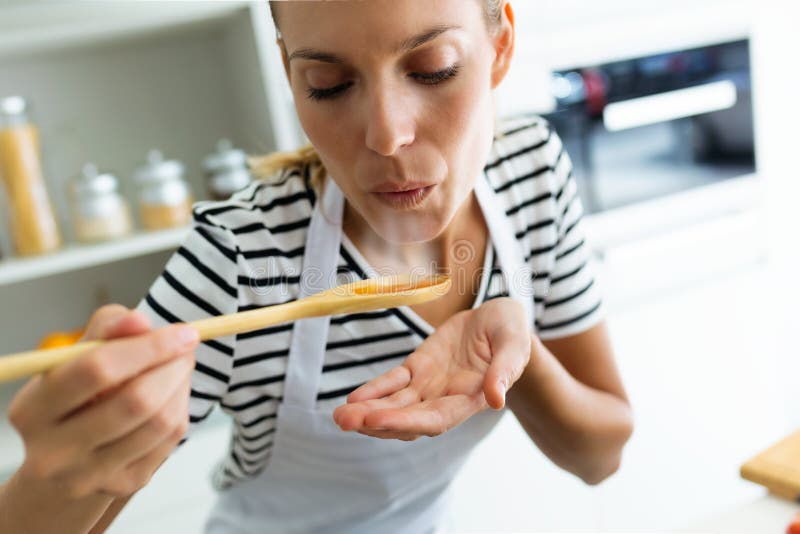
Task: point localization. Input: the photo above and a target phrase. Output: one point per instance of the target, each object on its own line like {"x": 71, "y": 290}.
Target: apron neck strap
{"x": 309, "y": 336}
{"x": 518, "y": 276}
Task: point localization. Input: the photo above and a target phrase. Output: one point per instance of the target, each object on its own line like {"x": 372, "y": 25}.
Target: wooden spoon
{"x": 357, "y": 297}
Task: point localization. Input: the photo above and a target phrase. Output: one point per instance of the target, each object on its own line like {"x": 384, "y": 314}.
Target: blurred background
{"x": 680, "y": 118}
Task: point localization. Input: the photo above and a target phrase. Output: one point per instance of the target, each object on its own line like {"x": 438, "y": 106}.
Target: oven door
{"x": 650, "y": 127}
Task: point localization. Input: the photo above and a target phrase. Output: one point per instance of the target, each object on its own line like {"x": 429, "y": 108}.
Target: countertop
{"x": 765, "y": 515}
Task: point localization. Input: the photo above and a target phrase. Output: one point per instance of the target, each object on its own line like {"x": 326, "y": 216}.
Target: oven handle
{"x": 669, "y": 106}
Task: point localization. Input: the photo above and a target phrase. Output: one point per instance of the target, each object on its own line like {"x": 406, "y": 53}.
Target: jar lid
{"x": 226, "y": 157}
{"x": 92, "y": 181}
{"x": 13, "y": 110}
{"x": 157, "y": 169}
{"x": 13, "y": 105}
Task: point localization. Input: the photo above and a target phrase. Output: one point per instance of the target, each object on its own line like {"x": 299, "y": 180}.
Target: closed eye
{"x": 435, "y": 78}
{"x": 322, "y": 94}
{"x": 426, "y": 78}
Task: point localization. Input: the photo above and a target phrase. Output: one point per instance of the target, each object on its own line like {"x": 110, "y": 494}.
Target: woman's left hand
{"x": 466, "y": 365}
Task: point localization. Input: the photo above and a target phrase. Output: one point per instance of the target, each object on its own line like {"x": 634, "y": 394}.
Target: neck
{"x": 464, "y": 230}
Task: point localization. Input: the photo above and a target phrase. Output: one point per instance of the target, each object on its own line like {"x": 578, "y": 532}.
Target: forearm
{"x": 28, "y": 506}
{"x": 579, "y": 428}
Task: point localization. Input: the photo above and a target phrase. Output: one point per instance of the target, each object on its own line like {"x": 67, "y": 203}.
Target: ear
{"x": 503, "y": 41}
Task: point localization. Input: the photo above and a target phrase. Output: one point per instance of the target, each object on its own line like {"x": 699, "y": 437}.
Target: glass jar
{"x": 32, "y": 220}
{"x": 165, "y": 199}
{"x": 226, "y": 171}
{"x": 99, "y": 213}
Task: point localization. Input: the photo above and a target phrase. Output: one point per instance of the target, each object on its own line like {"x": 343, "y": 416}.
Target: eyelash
{"x": 426, "y": 78}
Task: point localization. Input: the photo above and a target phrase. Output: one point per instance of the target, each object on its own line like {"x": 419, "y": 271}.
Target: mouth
{"x": 404, "y": 197}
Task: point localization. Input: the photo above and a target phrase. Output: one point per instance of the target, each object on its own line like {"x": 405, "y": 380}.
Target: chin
{"x": 408, "y": 229}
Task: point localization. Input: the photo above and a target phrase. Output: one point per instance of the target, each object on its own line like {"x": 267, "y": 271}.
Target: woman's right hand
{"x": 104, "y": 422}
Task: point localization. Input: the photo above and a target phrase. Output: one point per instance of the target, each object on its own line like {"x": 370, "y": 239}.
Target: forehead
{"x": 374, "y": 26}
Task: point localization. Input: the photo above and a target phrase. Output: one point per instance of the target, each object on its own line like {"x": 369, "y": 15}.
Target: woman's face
{"x": 396, "y": 97}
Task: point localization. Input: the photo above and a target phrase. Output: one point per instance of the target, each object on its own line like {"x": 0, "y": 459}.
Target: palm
{"x": 452, "y": 361}
{"x": 437, "y": 387}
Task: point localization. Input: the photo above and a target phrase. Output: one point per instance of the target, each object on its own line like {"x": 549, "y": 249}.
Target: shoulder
{"x": 522, "y": 146}
{"x": 264, "y": 224}
{"x": 272, "y": 201}
{"x": 528, "y": 169}
{"x": 522, "y": 143}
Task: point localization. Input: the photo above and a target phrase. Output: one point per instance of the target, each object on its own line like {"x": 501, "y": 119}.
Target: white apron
{"x": 321, "y": 479}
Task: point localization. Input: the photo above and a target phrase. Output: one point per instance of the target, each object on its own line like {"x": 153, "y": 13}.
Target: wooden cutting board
{"x": 777, "y": 468}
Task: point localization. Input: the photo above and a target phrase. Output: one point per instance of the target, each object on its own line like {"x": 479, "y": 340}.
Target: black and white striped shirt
{"x": 247, "y": 252}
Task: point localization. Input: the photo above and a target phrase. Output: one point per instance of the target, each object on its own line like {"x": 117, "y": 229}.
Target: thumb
{"x": 496, "y": 384}
{"x": 509, "y": 358}
{"x": 113, "y": 321}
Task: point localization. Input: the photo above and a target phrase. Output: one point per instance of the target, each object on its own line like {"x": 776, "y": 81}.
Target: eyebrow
{"x": 407, "y": 44}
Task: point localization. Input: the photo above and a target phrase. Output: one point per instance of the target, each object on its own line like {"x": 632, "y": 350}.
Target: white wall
{"x": 778, "y": 116}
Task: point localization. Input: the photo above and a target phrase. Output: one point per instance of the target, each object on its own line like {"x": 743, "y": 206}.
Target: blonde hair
{"x": 493, "y": 11}
{"x": 274, "y": 166}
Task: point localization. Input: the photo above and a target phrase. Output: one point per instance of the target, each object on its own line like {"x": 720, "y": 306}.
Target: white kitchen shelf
{"x": 74, "y": 257}
{"x": 38, "y": 25}
{"x": 574, "y": 33}
{"x": 651, "y": 218}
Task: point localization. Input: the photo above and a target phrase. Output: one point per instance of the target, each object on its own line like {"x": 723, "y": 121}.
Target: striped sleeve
{"x": 573, "y": 302}
{"x": 198, "y": 282}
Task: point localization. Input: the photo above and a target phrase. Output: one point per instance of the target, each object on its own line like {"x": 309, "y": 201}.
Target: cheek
{"x": 335, "y": 149}
{"x": 313, "y": 121}
{"x": 468, "y": 127}
{"x": 315, "y": 118}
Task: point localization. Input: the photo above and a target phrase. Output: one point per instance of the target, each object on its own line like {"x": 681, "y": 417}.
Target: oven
{"x": 653, "y": 126}
{"x": 663, "y": 151}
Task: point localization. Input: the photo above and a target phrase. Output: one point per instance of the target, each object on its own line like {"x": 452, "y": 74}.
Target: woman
{"x": 355, "y": 423}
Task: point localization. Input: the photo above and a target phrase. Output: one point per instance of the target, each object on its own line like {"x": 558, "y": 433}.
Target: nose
{"x": 390, "y": 124}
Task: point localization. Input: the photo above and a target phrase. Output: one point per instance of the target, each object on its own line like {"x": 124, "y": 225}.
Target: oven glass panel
{"x": 653, "y": 126}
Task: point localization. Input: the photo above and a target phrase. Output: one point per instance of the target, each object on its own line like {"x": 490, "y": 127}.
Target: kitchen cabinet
{"x": 107, "y": 82}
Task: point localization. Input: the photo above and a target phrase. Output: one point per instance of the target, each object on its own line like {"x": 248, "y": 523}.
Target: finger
{"x": 389, "y": 434}
{"x": 386, "y": 384}
{"x": 351, "y": 416}
{"x": 429, "y": 418}
{"x": 144, "y": 439}
{"x": 112, "y": 321}
{"x": 138, "y": 474}
{"x": 70, "y": 445}
{"x": 104, "y": 321}
{"x": 134, "y": 404}
{"x": 132, "y": 323}
{"x": 509, "y": 358}
{"x": 72, "y": 384}
{"x": 111, "y": 458}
